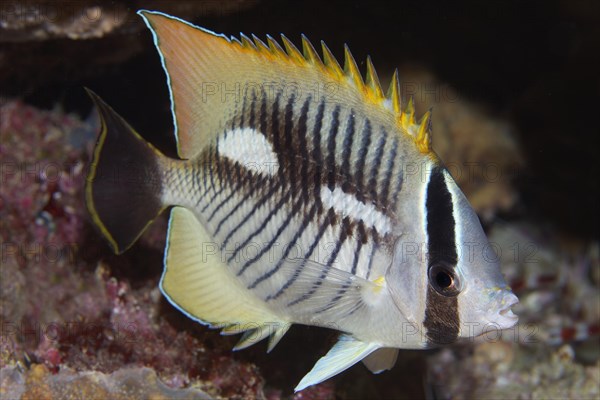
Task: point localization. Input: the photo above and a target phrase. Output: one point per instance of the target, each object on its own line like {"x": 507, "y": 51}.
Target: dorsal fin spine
{"x": 371, "y": 87}
{"x": 260, "y": 45}
{"x": 247, "y": 42}
{"x": 310, "y": 53}
{"x": 408, "y": 116}
{"x": 275, "y": 47}
{"x": 372, "y": 80}
{"x": 293, "y": 51}
{"x": 394, "y": 94}
{"x": 330, "y": 61}
{"x": 423, "y": 139}
{"x": 351, "y": 69}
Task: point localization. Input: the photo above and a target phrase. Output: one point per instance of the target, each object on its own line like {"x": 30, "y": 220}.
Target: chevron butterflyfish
{"x": 291, "y": 202}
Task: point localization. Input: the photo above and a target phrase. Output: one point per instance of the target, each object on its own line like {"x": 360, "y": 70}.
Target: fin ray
{"x": 372, "y": 80}
{"x": 124, "y": 185}
{"x": 351, "y": 69}
{"x": 338, "y": 296}
{"x": 309, "y": 52}
{"x": 292, "y": 51}
{"x": 204, "y": 69}
{"x": 344, "y": 354}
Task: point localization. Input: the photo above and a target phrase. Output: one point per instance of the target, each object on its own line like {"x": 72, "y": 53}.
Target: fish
{"x": 300, "y": 194}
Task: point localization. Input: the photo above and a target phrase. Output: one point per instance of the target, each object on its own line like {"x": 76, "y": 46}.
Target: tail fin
{"x": 124, "y": 185}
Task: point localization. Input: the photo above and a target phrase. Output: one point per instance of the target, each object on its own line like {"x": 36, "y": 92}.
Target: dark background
{"x": 532, "y": 63}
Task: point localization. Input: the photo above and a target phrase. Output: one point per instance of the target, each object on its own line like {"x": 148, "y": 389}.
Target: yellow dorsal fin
{"x": 292, "y": 51}
{"x": 275, "y": 47}
{"x": 423, "y": 139}
{"x": 372, "y": 80}
{"x": 408, "y": 116}
{"x": 247, "y": 42}
{"x": 310, "y": 53}
{"x": 331, "y": 62}
{"x": 393, "y": 94}
{"x": 209, "y": 73}
{"x": 351, "y": 69}
{"x": 260, "y": 45}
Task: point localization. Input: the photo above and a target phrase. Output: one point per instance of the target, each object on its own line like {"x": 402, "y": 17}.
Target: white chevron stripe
{"x": 349, "y": 206}
{"x": 251, "y": 149}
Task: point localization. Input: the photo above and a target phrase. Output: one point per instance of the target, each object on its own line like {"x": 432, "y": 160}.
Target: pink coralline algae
{"x": 68, "y": 307}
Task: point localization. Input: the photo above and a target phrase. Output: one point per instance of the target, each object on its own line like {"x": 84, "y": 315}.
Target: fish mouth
{"x": 505, "y": 317}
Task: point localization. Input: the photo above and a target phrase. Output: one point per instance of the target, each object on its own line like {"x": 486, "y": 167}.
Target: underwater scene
{"x": 258, "y": 199}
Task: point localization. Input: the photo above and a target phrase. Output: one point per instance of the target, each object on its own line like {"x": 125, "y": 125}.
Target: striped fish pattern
{"x": 297, "y": 206}
{"x": 309, "y": 192}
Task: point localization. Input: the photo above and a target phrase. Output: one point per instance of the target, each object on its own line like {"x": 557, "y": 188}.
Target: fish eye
{"x": 443, "y": 279}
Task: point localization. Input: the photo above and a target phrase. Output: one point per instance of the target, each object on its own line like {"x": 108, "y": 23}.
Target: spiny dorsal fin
{"x": 393, "y": 94}
{"x": 275, "y": 47}
{"x": 309, "y": 52}
{"x": 372, "y": 80}
{"x": 330, "y": 61}
{"x": 420, "y": 133}
{"x": 260, "y": 45}
{"x": 191, "y": 54}
{"x": 247, "y": 42}
{"x": 293, "y": 52}
{"x": 408, "y": 116}
{"x": 423, "y": 138}
{"x": 351, "y": 69}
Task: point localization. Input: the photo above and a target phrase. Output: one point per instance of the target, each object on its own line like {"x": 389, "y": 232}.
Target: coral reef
{"x": 554, "y": 351}
{"x": 61, "y": 307}
{"x": 127, "y": 383}
{"x": 503, "y": 370}
{"x": 77, "y": 321}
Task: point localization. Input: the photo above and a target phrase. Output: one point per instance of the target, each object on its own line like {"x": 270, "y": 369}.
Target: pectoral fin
{"x": 344, "y": 354}
{"x": 381, "y": 359}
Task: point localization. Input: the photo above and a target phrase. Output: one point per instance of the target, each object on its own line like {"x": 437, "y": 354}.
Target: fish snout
{"x": 504, "y": 317}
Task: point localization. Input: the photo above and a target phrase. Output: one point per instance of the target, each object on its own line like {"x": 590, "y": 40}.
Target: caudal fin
{"x": 124, "y": 186}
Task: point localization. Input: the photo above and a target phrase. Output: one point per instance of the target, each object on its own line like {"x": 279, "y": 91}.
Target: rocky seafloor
{"x": 80, "y": 322}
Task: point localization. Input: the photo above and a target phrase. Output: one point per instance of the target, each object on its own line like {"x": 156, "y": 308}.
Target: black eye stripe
{"x": 441, "y": 244}
{"x": 441, "y": 312}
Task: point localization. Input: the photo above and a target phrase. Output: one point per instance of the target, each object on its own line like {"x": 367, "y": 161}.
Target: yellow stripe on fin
{"x": 197, "y": 282}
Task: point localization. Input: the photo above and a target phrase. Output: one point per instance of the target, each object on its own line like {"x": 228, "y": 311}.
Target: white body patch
{"x": 349, "y": 206}
{"x": 251, "y": 149}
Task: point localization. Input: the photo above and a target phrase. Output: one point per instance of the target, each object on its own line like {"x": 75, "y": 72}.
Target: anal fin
{"x": 274, "y": 331}
{"x": 199, "y": 283}
{"x": 276, "y": 336}
{"x": 344, "y": 354}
